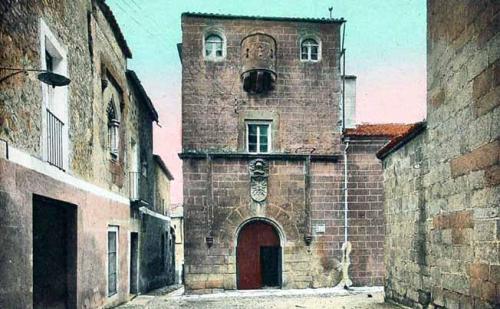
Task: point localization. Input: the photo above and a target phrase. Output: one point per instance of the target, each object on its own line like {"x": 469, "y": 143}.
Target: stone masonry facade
{"x": 442, "y": 184}
{"x": 305, "y": 178}
{"x": 92, "y": 182}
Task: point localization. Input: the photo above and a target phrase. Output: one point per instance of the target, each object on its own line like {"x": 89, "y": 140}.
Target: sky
{"x": 385, "y": 45}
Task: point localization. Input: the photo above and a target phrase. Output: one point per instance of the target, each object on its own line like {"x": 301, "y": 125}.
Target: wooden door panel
{"x": 252, "y": 237}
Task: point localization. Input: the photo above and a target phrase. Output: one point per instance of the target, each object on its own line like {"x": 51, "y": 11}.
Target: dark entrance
{"x": 134, "y": 253}
{"x": 258, "y": 256}
{"x": 54, "y": 254}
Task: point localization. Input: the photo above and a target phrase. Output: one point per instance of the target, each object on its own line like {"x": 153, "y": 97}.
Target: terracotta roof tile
{"x": 389, "y": 130}
{"x": 399, "y": 140}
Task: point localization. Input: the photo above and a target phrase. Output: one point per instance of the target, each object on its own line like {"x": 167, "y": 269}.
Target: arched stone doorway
{"x": 258, "y": 256}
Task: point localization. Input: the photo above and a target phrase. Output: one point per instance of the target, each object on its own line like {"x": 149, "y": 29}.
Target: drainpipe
{"x": 346, "y": 191}
{"x": 346, "y": 246}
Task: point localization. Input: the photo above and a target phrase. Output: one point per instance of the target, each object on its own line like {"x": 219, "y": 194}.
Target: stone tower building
{"x": 262, "y": 157}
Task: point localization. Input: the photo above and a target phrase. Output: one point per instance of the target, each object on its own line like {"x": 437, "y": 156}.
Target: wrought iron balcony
{"x": 54, "y": 140}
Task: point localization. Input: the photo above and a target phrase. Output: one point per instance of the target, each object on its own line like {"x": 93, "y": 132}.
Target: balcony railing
{"x": 54, "y": 140}
{"x": 134, "y": 185}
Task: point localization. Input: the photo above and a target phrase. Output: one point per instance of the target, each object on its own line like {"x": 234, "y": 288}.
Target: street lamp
{"x": 47, "y": 77}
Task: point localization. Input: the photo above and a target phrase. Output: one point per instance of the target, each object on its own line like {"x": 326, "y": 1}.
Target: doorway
{"x": 54, "y": 254}
{"x": 258, "y": 256}
{"x": 134, "y": 258}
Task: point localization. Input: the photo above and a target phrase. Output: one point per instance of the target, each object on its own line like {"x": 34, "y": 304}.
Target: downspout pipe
{"x": 346, "y": 246}
{"x": 346, "y": 191}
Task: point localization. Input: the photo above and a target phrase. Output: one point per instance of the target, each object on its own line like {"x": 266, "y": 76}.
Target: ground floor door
{"x": 258, "y": 256}
{"x": 54, "y": 254}
{"x": 134, "y": 259}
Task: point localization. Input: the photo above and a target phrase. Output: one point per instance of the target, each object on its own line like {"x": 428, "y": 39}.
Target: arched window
{"x": 113, "y": 128}
{"x": 214, "y": 46}
{"x": 309, "y": 50}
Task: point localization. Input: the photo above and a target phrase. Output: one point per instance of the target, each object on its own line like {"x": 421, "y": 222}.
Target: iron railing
{"x": 134, "y": 185}
{"x": 54, "y": 140}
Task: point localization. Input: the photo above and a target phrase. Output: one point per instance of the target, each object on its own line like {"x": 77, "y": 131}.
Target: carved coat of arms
{"x": 259, "y": 172}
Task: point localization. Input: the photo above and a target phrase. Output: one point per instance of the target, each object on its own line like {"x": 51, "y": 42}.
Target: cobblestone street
{"x": 308, "y": 298}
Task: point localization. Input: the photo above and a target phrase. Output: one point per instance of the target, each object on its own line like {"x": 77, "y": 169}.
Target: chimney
{"x": 350, "y": 101}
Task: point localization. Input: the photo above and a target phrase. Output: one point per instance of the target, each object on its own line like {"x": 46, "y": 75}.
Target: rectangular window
{"x": 112, "y": 260}
{"x": 55, "y": 119}
{"x": 305, "y": 52}
{"x": 314, "y": 53}
{"x": 258, "y": 137}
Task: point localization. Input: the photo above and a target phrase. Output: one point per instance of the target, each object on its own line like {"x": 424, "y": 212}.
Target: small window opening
{"x": 113, "y": 130}
{"x": 214, "y": 45}
{"x": 144, "y": 168}
{"x": 309, "y": 50}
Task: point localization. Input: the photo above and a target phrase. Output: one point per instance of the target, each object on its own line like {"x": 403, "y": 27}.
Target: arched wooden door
{"x": 258, "y": 256}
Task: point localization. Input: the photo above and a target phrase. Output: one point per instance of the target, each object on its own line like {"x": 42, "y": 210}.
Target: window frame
{"x": 213, "y": 56}
{"x": 112, "y": 229}
{"x": 269, "y": 135}
{"x": 54, "y": 99}
{"x": 112, "y": 100}
{"x": 309, "y": 50}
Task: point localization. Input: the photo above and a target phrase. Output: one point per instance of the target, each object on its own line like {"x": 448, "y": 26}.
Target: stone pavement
{"x": 360, "y": 297}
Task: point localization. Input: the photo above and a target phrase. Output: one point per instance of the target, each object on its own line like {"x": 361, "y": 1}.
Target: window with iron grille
{"x": 54, "y": 125}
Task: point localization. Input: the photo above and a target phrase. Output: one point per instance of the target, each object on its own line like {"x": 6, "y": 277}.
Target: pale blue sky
{"x": 377, "y": 30}
{"x": 385, "y": 42}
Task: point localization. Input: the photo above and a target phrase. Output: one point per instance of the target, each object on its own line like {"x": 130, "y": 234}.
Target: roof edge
{"x": 401, "y": 140}
{"x": 295, "y": 19}
{"x": 110, "y": 17}
{"x": 137, "y": 83}
{"x": 163, "y": 166}
{"x": 380, "y": 130}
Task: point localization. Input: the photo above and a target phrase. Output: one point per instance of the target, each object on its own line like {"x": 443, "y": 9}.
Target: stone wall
{"x": 217, "y": 192}
{"x": 228, "y": 183}
{"x": 442, "y": 187}
{"x": 366, "y": 211}
{"x": 88, "y": 39}
{"x": 162, "y": 192}
{"x": 94, "y": 212}
{"x": 21, "y": 95}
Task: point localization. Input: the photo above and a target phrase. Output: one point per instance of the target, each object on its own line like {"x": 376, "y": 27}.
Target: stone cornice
{"x": 270, "y": 156}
